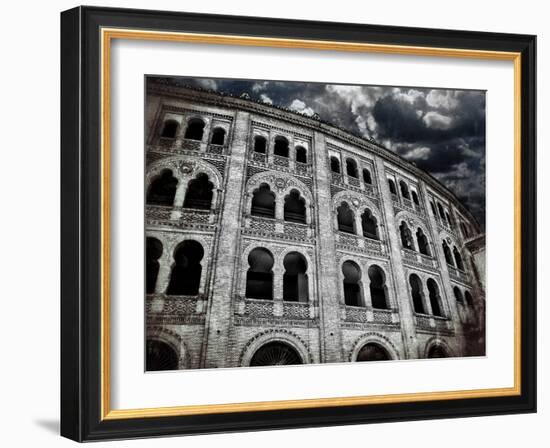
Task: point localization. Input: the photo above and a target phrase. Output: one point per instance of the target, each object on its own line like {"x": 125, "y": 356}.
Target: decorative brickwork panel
{"x": 197, "y": 216}
{"x": 280, "y": 161}
{"x": 337, "y": 178}
{"x": 382, "y": 316}
{"x": 215, "y": 149}
{"x": 253, "y": 170}
{"x": 356, "y": 314}
{"x": 259, "y": 157}
{"x": 423, "y": 322}
{"x": 191, "y": 145}
{"x": 354, "y": 182}
{"x": 302, "y": 168}
{"x": 258, "y": 308}
{"x": 296, "y": 310}
{"x": 295, "y": 230}
{"x": 262, "y": 224}
{"x": 158, "y": 212}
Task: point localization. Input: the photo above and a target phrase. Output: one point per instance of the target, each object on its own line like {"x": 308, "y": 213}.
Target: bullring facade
{"x": 275, "y": 238}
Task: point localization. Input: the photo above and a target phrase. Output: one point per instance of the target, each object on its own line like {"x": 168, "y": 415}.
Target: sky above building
{"x": 442, "y": 131}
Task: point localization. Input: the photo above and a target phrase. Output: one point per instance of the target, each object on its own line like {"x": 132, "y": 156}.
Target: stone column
{"x": 179, "y": 197}
{"x": 406, "y": 311}
{"x": 327, "y": 269}
{"x": 163, "y": 276}
{"x": 219, "y": 316}
{"x": 278, "y": 272}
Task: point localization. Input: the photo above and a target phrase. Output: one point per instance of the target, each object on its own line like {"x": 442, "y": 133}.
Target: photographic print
{"x": 292, "y": 223}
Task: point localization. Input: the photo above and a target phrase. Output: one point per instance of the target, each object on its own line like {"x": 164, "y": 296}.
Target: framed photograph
{"x": 276, "y": 224}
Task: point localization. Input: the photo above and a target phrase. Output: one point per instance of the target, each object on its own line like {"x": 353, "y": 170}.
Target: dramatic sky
{"x": 441, "y": 131}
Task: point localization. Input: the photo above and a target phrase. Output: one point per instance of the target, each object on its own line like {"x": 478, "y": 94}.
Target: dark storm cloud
{"x": 441, "y": 131}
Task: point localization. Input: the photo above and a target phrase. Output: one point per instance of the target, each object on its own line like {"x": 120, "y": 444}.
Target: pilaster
{"x": 327, "y": 268}
{"x": 219, "y": 316}
{"x": 406, "y": 312}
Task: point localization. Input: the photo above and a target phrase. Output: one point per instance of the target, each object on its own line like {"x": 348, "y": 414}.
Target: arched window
{"x": 263, "y": 202}
{"x": 351, "y": 168}
{"x": 469, "y": 298}
{"x": 281, "y": 146}
{"x": 199, "y": 193}
{"x": 404, "y": 190}
{"x": 441, "y": 212}
{"x": 259, "y": 277}
{"x": 163, "y": 189}
{"x": 422, "y": 240}
{"x": 406, "y": 236}
{"x": 435, "y": 298}
{"x": 335, "y": 165}
{"x": 378, "y": 287}
{"x": 391, "y": 184}
{"x": 373, "y": 352}
{"x": 458, "y": 259}
{"x": 346, "y": 218}
{"x": 301, "y": 154}
{"x": 448, "y": 255}
{"x": 218, "y": 136}
{"x": 367, "y": 177}
{"x": 295, "y": 207}
{"x": 415, "y": 197}
{"x": 160, "y": 356}
{"x": 432, "y": 205}
{"x": 417, "y": 294}
{"x": 449, "y": 220}
{"x": 275, "y": 354}
{"x": 369, "y": 224}
{"x": 169, "y": 129}
{"x": 195, "y": 129}
{"x": 437, "y": 352}
{"x": 353, "y": 294}
{"x": 458, "y": 294}
{"x": 260, "y": 144}
{"x": 153, "y": 251}
{"x": 295, "y": 285}
{"x": 185, "y": 277}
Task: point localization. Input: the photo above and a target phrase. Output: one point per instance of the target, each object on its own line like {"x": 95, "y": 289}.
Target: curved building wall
{"x": 316, "y": 240}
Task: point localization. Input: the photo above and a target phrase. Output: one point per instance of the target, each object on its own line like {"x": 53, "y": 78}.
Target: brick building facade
{"x": 277, "y": 238}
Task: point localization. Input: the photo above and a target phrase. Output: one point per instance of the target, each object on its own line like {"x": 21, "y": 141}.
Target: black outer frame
{"x": 80, "y": 223}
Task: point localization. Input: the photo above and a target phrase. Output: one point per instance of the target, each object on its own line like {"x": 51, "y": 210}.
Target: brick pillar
{"x": 447, "y": 294}
{"x": 219, "y": 316}
{"x": 329, "y": 305}
{"x": 406, "y": 312}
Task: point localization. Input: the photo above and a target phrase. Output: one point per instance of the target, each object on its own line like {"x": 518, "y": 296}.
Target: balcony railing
{"x": 360, "y": 243}
{"x": 279, "y": 228}
{"x": 359, "y": 314}
{"x": 215, "y": 149}
{"x": 160, "y": 213}
{"x": 259, "y": 157}
{"x": 416, "y": 258}
{"x": 302, "y": 168}
{"x": 457, "y": 274}
{"x": 175, "y": 306}
{"x": 191, "y": 145}
{"x": 273, "y": 309}
{"x": 281, "y": 161}
{"x": 433, "y": 323}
